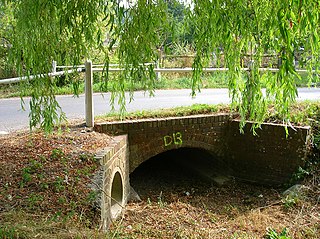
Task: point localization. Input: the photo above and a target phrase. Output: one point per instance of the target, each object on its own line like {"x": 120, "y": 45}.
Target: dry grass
{"x": 234, "y": 211}
{"x": 45, "y": 182}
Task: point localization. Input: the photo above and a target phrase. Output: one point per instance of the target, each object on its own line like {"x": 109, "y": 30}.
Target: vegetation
{"x": 167, "y": 81}
{"x": 301, "y": 113}
{"x": 172, "y": 112}
{"x": 229, "y": 30}
{"x": 6, "y": 30}
{"x": 272, "y": 234}
{"x": 45, "y": 183}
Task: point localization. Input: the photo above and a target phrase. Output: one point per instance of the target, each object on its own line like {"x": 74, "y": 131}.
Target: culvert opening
{"x": 183, "y": 171}
{"x": 116, "y": 195}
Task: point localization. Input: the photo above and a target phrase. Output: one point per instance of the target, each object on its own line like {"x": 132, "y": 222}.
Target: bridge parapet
{"x": 150, "y": 137}
{"x": 270, "y": 157}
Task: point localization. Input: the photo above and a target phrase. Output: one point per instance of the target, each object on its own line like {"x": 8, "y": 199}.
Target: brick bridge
{"x": 268, "y": 158}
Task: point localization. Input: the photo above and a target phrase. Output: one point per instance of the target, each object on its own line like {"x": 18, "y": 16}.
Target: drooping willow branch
{"x": 68, "y": 31}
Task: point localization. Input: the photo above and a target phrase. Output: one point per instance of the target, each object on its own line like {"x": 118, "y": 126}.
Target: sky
{"x": 127, "y": 3}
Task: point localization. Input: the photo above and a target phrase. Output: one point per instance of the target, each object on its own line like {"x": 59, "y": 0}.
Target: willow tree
{"x": 137, "y": 29}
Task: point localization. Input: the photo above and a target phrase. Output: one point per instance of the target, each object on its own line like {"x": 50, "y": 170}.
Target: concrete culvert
{"x": 182, "y": 169}
{"x": 116, "y": 195}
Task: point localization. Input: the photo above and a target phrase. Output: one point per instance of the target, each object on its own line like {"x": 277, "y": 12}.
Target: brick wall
{"x": 114, "y": 183}
{"x": 269, "y": 158}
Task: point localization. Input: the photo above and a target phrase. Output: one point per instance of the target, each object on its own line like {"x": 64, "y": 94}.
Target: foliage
{"x": 290, "y": 201}
{"x": 68, "y": 31}
{"x": 182, "y": 31}
{"x": 138, "y": 33}
{"x": 6, "y": 30}
{"x": 58, "y": 31}
{"x": 256, "y": 27}
{"x": 273, "y": 234}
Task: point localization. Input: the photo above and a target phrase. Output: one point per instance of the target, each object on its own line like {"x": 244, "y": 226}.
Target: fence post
{"x": 54, "y": 67}
{"x": 158, "y": 74}
{"x": 89, "y": 94}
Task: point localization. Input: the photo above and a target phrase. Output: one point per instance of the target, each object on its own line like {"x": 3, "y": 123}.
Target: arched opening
{"x": 116, "y": 195}
{"x": 183, "y": 170}
{"x": 178, "y": 193}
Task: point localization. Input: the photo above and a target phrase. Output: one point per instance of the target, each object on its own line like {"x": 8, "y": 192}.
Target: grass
{"x": 302, "y": 113}
{"x": 166, "y": 82}
{"x": 171, "y": 112}
{"x": 20, "y": 224}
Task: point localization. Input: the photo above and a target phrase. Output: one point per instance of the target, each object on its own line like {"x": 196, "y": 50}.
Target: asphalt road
{"x": 12, "y": 117}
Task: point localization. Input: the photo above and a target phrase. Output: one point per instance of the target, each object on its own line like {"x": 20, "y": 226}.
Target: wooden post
{"x": 54, "y": 67}
{"x": 158, "y": 74}
{"x": 89, "y": 94}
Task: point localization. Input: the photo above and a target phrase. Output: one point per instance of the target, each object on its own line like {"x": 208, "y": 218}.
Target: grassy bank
{"x": 178, "y": 81}
{"x": 301, "y": 113}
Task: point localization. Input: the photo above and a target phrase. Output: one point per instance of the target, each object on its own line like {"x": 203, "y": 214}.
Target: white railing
{"x": 24, "y": 78}
{"x": 89, "y": 68}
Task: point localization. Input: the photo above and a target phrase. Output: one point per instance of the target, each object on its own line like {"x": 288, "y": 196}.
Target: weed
{"x": 300, "y": 174}
{"x": 58, "y": 184}
{"x": 26, "y": 176}
{"x": 161, "y": 203}
{"x": 34, "y": 200}
{"x": 27, "y": 172}
{"x": 178, "y": 111}
{"x": 67, "y": 217}
{"x": 86, "y": 171}
{"x": 8, "y": 232}
{"x": 56, "y": 216}
{"x": 62, "y": 200}
{"x": 211, "y": 215}
{"x": 289, "y": 202}
{"x": 85, "y": 157}
{"x": 273, "y": 234}
{"x": 91, "y": 197}
{"x": 73, "y": 205}
{"x": 240, "y": 236}
{"x": 63, "y": 160}
{"x": 6, "y": 186}
{"x": 34, "y": 167}
{"x": 57, "y": 153}
{"x": 42, "y": 158}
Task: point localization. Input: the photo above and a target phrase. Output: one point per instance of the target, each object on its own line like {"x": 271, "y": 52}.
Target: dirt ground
{"x": 178, "y": 204}
{"x": 44, "y": 194}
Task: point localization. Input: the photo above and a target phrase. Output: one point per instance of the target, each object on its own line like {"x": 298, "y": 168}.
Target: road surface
{"x": 12, "y": 117}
